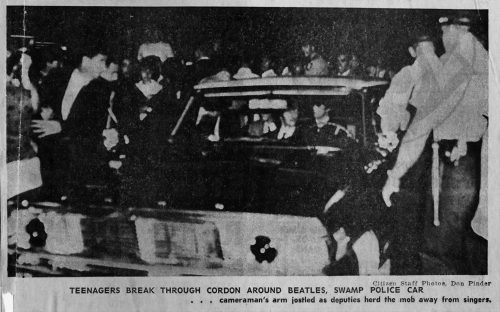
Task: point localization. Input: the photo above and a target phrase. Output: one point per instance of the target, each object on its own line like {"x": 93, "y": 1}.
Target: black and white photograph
{"x": 246, "y": 141}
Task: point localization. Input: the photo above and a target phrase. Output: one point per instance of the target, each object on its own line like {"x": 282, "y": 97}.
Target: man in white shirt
{"x": 79, "y": 116}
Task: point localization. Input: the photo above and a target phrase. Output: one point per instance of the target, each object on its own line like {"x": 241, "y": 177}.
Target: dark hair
{"x": 88, "y": 50}
{"x": 111, "y": 60}
{"x": 153, "y": 64}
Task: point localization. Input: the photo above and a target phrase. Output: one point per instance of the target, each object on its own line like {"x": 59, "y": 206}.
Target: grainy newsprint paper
{"x": 236, "y": 198}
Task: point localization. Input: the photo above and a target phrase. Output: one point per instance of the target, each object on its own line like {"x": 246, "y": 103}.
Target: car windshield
{"x": 270, "y": 109}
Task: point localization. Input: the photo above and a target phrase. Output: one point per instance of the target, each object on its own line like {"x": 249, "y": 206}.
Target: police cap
{"x": 460, "y": 19}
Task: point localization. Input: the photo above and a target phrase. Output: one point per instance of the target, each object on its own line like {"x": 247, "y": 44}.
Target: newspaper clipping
{"x": 249, "y": 156}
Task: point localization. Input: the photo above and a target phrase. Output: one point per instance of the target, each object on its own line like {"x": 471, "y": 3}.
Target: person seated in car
{"x": 324, "y": 132}
{"x": 265, "y": 125}
{"x": 288, "y": 130}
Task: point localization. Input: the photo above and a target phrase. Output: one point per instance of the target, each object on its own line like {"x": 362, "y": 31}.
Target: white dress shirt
{"x": 76, "y": 83}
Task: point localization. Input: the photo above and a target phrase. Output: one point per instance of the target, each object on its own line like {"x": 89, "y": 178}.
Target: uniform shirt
{"x": 450, "y": 97}
{"x": 465, "y": 79}
{"x": 417, "y": 85}
{"x": 330, "y": 134}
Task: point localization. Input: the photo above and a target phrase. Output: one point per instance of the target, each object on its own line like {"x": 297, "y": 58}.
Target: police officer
{"x": 418, "y": 86}
{"x": 316, "y": 66}
{"x": 459, "y": 89}
{"x": 465, "y": 73}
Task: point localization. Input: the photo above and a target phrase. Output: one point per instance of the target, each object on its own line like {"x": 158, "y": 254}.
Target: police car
{"x": 248, "y": 203}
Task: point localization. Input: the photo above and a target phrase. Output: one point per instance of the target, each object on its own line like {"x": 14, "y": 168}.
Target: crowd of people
{"x": 80, "y": 94}
{"x": 85, "y": 122}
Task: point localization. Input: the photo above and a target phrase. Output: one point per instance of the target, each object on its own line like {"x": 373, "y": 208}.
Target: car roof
{"x": 286, "y": 86}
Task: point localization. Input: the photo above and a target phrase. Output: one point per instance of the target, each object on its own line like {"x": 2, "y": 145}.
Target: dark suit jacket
{"x": 80, "y": 143}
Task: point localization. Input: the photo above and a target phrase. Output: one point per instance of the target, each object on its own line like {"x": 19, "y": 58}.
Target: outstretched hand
{"x": 391, "y": 186}
{"x": 46, "y": 127}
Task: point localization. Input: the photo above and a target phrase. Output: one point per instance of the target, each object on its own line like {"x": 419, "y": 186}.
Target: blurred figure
{"x": 216, "y": 53}
{"x": 356, "y": 67}
{"x": 126, "y": 68}
{"x": 23, "y": 167}
{"x": 244, "y": 71}
{"x": 203, "y": 65}
{"x": 371, "y": 71}
{"x": 380, "y": 70}
{"x": 148, "y": 116}
{"x": 288, "y": 130}
{"x": 294, "y": 67}
{"x": 416, "y": 85}
{"x": 154, "y": 46}
{"x": 72, "y": 132}
{"x": 264, "y": 126}
{"x": 297, "y": 69}
{"x": 316, "y": 66}
{"x": 343, "y": 68}
{"x": 267, "y": 67}
{"x": 49, "y": 61}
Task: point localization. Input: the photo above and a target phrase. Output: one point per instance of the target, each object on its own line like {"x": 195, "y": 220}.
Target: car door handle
{"x": 263, "y": 160}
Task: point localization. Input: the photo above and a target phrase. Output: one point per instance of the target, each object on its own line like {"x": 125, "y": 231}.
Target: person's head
{"x": 308, "y": 49}
{"x": 93, "y": 61}
{"x": 290, "y": 116}
{"x": 354, "y": 63}
{"x": 297, "y": 68}
{"x": 422, "y": 46}
{"x": 152, "y": 34}
{"x": 203, "y": 50}
{"x": 371, "y": 71}
{"x": 125, "y": 67}
{"x": 342, "y": 62}
{"x": 111, "y": 71}
{"x": 216, "y": 46}
{"x": 320, "y": 110}
{"x": 453, "y": 28}
{"x": 266, "y": 117}
{"x": 150, "y": 68}
{"x": 391, "y": 73}
{"x": 266, "y": 63}
{"x": 245, "y": 60}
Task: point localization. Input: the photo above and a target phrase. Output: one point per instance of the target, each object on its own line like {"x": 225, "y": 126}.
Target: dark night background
{"x": 366, "y": 32}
